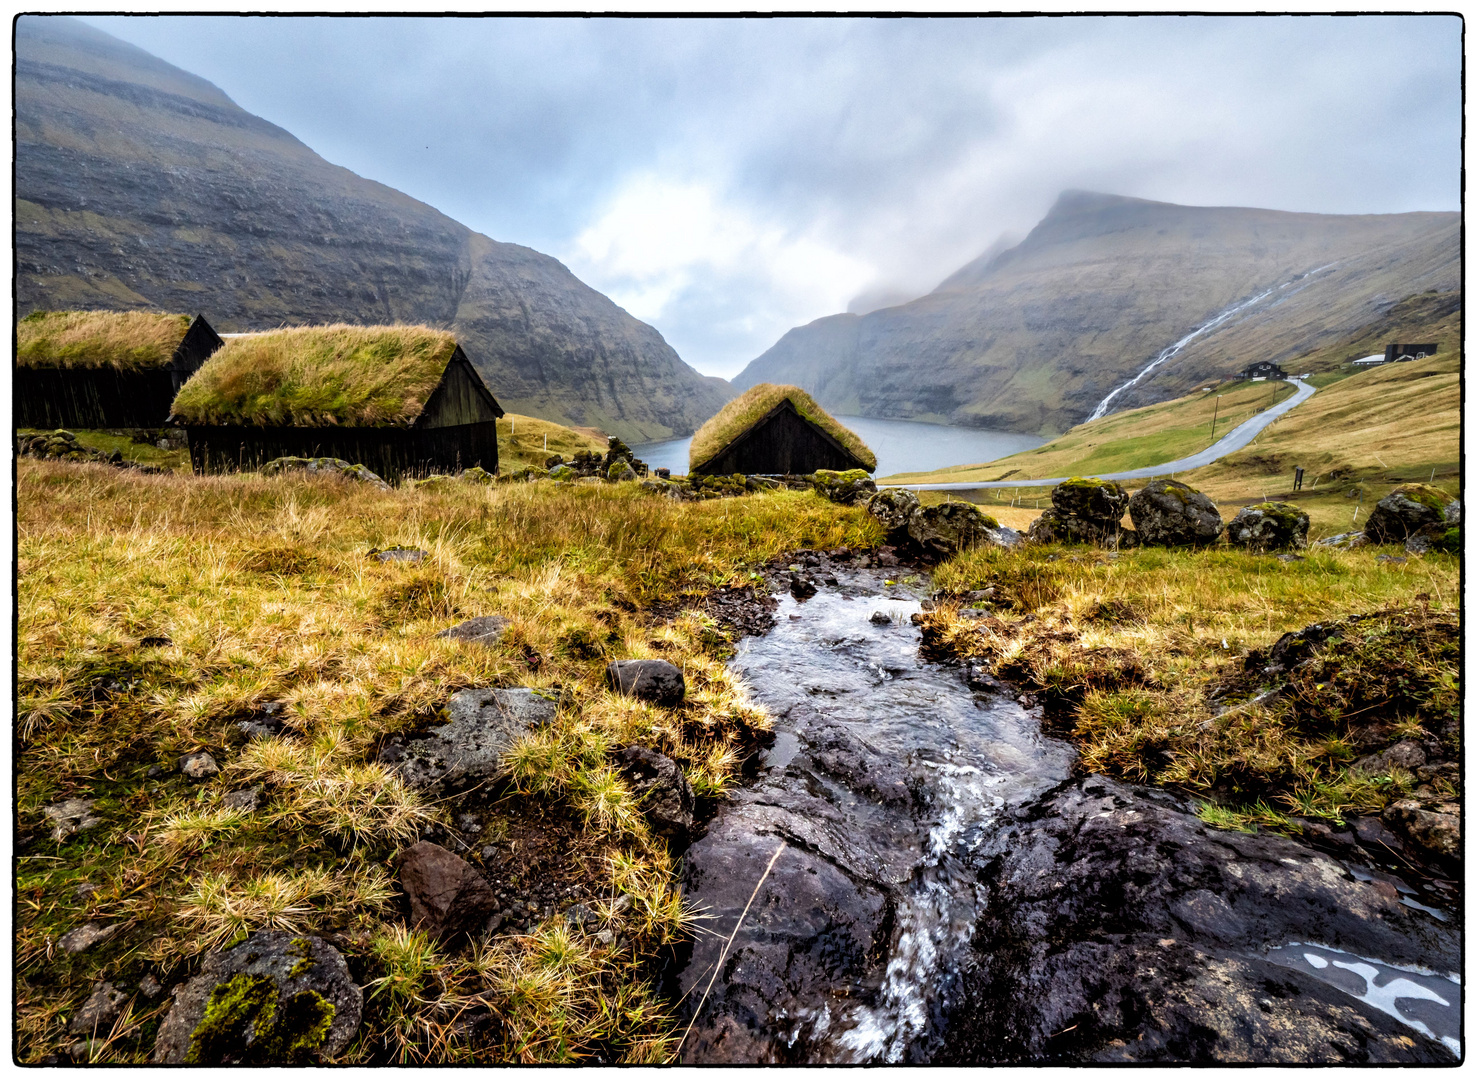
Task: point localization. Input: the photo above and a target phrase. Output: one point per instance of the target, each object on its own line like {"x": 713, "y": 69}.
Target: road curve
{"x": 1238, "y": 438}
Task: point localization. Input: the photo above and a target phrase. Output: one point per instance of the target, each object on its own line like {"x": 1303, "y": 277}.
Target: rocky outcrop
{"x": 195, "y": 204}
{"x": 483, "y": 725}
{"x": 935, "y": 532}
{"x": 1167, "y": 513}
{"x": 1084, "y": 511}
{"x": 656, "y": 681}
{"x": 324, "y": 466}
{"x": 1406, "y": 511}
{"x": 275, "y": 999}
{"x": 1269, "y": 526}
{"x": 1118, "y": 927}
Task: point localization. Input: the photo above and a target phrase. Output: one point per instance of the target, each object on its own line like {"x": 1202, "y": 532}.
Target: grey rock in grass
{"x": 1269, "y": 526}
{"x": 328, "y": 466}
{"x": 275, "y": 999}
{"x": 99, "y": 1011}
{"x": 483, "y": 725}
{"x": 483, "y": 630}
{"x": 199, "y": 765}
{"x": 150, "y": 987}
{"x": 1407, "y": 755}
{"x": 1345, "y": 541}
{"x": 662, "y": 788}
{"x": 1435, "y": 832}
{"x": 1167, "y": 513}
{"x": 656, "y": 681}
{"x": 86, "y": 936}
{"x": 400, "y": 554}
{"x": 246, "y": 799}
{"x": 446, "y": 893}
{"x": 71, "y": 816}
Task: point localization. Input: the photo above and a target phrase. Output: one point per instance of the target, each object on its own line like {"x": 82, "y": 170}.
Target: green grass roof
{"x": 744, "y": 411}
{"x": 319, "y": 376}
{"x": 126, "y": 340}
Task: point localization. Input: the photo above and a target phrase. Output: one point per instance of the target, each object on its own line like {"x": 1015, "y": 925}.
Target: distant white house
{"x": 1377, "y": 358}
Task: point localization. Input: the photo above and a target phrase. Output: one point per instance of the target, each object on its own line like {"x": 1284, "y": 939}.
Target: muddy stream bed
{"x": 921, "y": 878}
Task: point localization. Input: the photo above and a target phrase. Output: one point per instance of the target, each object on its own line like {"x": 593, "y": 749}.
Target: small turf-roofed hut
{"x": 774, "y": 430}
{"x": 105, "y": 369}
{"x": 401, "y": 400}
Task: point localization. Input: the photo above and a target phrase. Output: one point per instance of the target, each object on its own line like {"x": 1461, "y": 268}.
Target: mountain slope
{"x": 141, "y": 185}
{"x": 1033, "y": 338}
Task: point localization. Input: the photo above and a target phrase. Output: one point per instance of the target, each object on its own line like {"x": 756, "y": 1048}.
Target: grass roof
{"x": 319, "y": 376}
{"x": 126, "y": 340}
{"x": 744, "y": 411}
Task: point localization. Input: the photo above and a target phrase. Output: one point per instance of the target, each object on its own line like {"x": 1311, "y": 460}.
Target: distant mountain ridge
{"x": 1032, "y": 338}
{"x": 139, "y": 185}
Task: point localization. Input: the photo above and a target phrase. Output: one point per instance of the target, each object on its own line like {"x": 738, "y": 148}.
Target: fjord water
{"x": 900, "y": 445}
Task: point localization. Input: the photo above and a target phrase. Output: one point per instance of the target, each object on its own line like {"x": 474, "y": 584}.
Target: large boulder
{"x": 655, "y": 681}
{"x": 1406, "y": 511}
{"x": 1439, "y": 536}
{"x": 275, "y": 999}
{"x": 894, "y": 509}
{"x": 1167, "y": 513}
{"x": 661, "y": 786}
{"x": 446, "y": 894}
{"x": 483, "y": 725}
{"x": 1269, "y": 526}
{"x": 1084, "y": 510}
{"x": 945, "y": 529}
{"x": 849, "y": 487}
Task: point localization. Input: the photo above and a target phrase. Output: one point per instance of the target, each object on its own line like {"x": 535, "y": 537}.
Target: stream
{"x": 844, "y": 888}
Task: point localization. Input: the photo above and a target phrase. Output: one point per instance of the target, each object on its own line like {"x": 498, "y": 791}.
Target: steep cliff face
{"x": 1033, "y": 338}
{"x": 140, "y": 185}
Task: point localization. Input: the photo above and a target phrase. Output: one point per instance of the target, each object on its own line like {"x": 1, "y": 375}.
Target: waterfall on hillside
{"x": 1220, "y": 320}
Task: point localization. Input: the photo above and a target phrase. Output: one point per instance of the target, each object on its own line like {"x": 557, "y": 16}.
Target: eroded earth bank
{"x": 917, "y": 874}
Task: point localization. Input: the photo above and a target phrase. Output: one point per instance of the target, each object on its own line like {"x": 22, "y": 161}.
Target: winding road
{"x": 1239, "y": 437}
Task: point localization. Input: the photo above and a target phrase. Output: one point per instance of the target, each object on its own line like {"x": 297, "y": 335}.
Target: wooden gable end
{"x": 461, "y": 397}
{"x": 196, "y": 347}
{"x": 781, "y": 442}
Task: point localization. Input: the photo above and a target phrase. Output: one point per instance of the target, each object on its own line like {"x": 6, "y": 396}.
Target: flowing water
{"x": 885, "y": 772}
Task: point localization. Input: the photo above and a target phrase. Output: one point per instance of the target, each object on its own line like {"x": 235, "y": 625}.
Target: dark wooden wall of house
{"x": 460, "y": 398}
{"x": 394, "y": 453}
{"x": 199, "y": 343}
{"x": 94, "y": 397}
{"x": 784, "y": 443}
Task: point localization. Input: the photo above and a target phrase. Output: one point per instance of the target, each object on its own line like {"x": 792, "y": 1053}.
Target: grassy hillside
{"x": 526, "y": 440}
{"x": 1359, "y": 437}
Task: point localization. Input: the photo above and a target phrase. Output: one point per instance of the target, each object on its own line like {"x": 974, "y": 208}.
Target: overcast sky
{"x": 728, "y": 179}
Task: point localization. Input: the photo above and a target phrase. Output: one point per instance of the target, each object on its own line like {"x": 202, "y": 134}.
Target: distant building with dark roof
{"x": 775, "y": 430}
{"x": 1395, "y": 353}
{"x": 1262, "y": 369}
{"x": 105, "y": 369}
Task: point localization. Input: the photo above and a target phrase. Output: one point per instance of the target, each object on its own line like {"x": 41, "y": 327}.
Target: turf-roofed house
{"x": 105, "y": 369}
{"x": 401, "y": 400}
{"x": 775, "y": 430}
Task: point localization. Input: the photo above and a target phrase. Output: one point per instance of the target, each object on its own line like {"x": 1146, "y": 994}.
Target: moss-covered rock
{"x": 1405, "y": 511}
{"x": 620, "y": 469}
{"x": 1438, "y": 536}
{"x": 946, "y": 529}
{"x": 476, "y": 475}
{"x": 563, "y": 473}
{"x": 1269, "y": 526}
{"x": 1167, "y": 513}
{"x": 849, "y": 487}
{"x": 274, "y": 999}
{"x": 1091, "y": 499}
{"x": 329, "y": 466}
{"x": 895, "y": 509}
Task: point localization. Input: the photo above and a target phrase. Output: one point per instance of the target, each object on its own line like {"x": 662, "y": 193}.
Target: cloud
{"x": 730, "y": 178}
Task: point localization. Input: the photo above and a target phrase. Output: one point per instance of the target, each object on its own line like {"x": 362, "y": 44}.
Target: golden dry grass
{"x": 742, "y": 412}
{"x": 156, "y": 611}
{"x": 319, "y": 376}
{"x": 126, "y": 340}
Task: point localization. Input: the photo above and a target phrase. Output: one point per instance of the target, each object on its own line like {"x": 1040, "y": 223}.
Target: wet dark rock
{"x": 1376, "y": 838}
{"x": 150, "y": 987}
{"x": 1118, "y": 929}
{"x": 1405, "y": 511}
{"x": 801, "y": 587}
{"x": 979, "y": 678}
{"x": 1434, "y": 832}
{"x": 656, "y": 681}
{"x": 71, "y": 816}
{"x": 1269, "y": 526}
{"x": 1167, "y": 513}
{"x": 99, "y": 1011}
{"x": 483, "y": 725}
{"x": 198, "y": 766}
{"x": 483, "y": 630}
{"x": 880, "y": 618}
{"x": 276, "y": 998}
{"x": 663, "y": 790}
{"x": 446, "y": 893}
